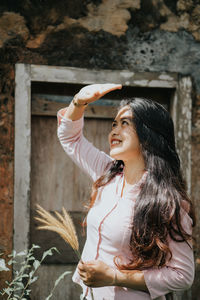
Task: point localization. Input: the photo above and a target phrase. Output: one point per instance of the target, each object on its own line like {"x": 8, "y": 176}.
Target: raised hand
{"x": 93, "y": 92}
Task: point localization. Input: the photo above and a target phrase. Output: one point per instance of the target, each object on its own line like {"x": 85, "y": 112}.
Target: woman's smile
{"x": 115, "y": 142}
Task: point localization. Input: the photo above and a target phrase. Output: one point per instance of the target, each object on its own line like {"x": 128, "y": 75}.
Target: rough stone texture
{"x": 146, "y": 35}
{"x": 109, "y": 17}
{"x": 12, "y": 25}
{"x": 160, "y": 51}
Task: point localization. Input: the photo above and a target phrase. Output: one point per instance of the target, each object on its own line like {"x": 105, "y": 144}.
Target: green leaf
{"x": 18, "y": 289}
{"x": 27, "y": 267}
{"x": 19, "y": 284}
{"x": 7, "y": 290}
{"x": 27, "y": 292}
{"x": 31, "y": 274}
{"x": 33, "y": 279}
{"x": 22, "y": 253}
{"x": 3, "y": 265}
{"x": 61, "y": 277}
{"x": 48, "y": 253}
{"x": 50, "y": 295}
{"x": 31, "y": 258}
{"x": 10, "y": 262}
{"x": 35, "y": 246}
{"x": 57, "y": 282}
{"x": 36, "y": 264}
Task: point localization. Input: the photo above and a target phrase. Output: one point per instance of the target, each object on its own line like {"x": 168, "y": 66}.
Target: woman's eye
{"x": 124, "y": 122}
{"x": 114, "y": 124}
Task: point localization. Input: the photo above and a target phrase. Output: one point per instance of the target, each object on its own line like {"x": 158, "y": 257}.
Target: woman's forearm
{"x": 74, "y": 112}
{"x": 96, "y": 273}
{"x": 130, "y": 279}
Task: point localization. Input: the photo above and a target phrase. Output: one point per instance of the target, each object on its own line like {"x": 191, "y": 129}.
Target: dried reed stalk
{"x": 63, "y": 225}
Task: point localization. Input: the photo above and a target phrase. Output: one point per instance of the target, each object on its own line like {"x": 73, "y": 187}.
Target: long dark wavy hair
{"x": 157, "y": 207}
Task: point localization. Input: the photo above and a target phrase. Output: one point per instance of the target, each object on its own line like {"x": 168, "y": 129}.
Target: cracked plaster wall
{"x": 139, "y": 35}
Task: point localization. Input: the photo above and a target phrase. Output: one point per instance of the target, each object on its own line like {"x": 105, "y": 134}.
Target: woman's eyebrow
{"x": 123, "y": 118}
{"x": 126, "y": 118}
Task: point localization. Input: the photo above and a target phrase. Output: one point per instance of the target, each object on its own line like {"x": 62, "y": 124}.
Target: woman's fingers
{"x": 84, "y": 274}
{"x": 93, "y": 92}
{"x": 81, "y": 266}
{"x": 96, "y": 273}
{"x": 108, "y": 87}
{"x": 105, "y": 88}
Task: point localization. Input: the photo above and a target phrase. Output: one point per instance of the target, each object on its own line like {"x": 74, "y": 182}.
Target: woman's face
{"x": 123, "y": 139}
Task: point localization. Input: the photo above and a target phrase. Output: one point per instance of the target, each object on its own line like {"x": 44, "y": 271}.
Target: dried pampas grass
{"x": 61, "y": 224}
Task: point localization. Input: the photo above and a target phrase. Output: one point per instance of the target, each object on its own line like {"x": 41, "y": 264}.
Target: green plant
{"x": 25, "y": 267}
{"x": 3, "y": 265}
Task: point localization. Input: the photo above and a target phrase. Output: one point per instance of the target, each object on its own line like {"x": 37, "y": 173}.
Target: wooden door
{"x": 168, "y": 88}
{"x": 57, "y": 182}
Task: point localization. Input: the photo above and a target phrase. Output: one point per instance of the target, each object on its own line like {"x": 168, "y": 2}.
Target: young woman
{"x": 139, "y": 226}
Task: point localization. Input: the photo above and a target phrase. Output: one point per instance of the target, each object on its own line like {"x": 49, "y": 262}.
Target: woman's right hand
{"x": 86, "y": 95}
{"x": 93, "y": 92}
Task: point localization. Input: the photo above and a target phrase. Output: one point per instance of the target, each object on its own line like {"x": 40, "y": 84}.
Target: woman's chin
{"x": 115, "y": 154}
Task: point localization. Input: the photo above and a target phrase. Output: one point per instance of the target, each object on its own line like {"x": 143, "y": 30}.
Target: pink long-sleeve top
{"x": 109, "y": 224}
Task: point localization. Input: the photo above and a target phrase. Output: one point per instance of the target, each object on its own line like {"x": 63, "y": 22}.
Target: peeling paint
{"x": 183, "y": 5}
{"x": 165, "y": 77}
{"x": 126, "y": 74}
{"x": 141, "y": 82}
{"x": 165, "y": 83}
{"x": 174, "y": 23}
{"x": 22, "y": 153}
{"x": 155, "y": 83}
{"x": 112, "y": 18}
{"x": 188, "y": 21}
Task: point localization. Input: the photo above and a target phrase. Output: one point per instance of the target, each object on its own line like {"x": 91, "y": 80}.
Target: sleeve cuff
{"x": 149, "y": 276}
{"x": 73, "y": 124}
{"x": 147, "y": 281}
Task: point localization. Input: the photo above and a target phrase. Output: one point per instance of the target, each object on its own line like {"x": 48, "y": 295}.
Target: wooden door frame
{"x": 181, "y": 110}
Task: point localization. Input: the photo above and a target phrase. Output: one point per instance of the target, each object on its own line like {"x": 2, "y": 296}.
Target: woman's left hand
{"x": 96, "y": 273}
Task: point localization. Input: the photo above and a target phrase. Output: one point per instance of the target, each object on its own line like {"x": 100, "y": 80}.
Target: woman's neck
{"x": 133, "y": 170}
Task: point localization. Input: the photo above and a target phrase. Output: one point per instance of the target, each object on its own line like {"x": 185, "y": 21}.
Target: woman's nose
{"x": 115, "y": 130}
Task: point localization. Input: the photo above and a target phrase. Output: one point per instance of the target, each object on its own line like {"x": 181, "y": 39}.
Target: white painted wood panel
{"x": 22, "y": 155}
{"x": 85, "y": 76}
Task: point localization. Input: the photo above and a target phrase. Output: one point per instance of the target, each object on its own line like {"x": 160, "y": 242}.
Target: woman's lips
{"x": 115, "y": 142}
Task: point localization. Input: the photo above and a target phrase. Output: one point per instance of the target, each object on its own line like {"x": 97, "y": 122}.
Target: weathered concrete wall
{"x": 139, "y": 35}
